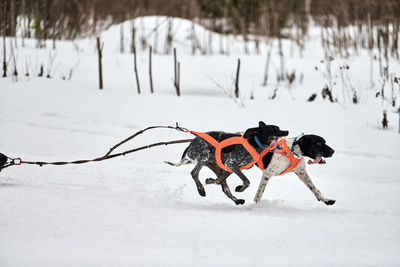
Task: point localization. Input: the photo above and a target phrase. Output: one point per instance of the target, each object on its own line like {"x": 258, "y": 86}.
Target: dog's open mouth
{"x": 273, "y": 142}
{"x": 318, "y": 160}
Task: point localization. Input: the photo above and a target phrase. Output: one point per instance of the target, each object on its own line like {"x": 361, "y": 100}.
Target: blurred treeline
{"x": 376, "y": 21}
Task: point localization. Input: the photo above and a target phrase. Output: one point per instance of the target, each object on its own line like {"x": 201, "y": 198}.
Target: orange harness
{"x": 289, "y": 154}
{"x": 235, "y": 140}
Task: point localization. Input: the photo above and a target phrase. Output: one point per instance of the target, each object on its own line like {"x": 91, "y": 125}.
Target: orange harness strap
{"x": 235, "y": 140}
{"x": 286, "y": 151}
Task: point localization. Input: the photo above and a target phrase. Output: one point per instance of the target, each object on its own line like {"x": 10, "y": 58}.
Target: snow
{"x": 138, "y": 211}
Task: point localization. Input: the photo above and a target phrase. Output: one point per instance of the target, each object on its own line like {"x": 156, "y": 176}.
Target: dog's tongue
{"x": 273, "y": 144}
{"x": 315, "y": 161}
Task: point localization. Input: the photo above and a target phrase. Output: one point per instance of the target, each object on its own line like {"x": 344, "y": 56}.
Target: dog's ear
{"x": 261, "y": 124}
{"x": 300, "y": 140}
{"x": 251, "y": 131}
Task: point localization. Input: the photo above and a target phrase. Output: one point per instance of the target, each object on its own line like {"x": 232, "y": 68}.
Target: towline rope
{"x": 7, "y": 161}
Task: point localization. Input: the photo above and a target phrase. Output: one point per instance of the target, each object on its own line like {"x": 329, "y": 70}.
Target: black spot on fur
{"x": 267, "y": 159}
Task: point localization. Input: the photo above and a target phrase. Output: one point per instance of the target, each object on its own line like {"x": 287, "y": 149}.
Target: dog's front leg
{"x": 261, "y": 187}
{"x": 305, "y": 178}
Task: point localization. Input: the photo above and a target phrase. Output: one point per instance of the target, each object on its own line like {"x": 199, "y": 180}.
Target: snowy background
{"x": 138, "y": 211}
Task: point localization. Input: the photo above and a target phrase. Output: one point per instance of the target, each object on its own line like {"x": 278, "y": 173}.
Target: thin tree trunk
{"x": 267, "y": 65}
{"x": 178, "y": 89}
{"x": 136, "y": 71}
{"x": 282, "y": 72}
{"x": 12, "y": 18}
{"x": 150, "y": 72}
{"x": 177, "y": 68}
{"x": 227, "y": 35}
{"x": 100, "y": 55}
{"x": 133, "y": 32}
{"x": 53, "y": 25}
{"x": 121, "y": 45}
{"x": 54, "y": 39}
{"x": 27, "y": 29}
{"x": 168, "y": 40}
{"x": 14, "y": 73}
{"x": 399, "y": 119}
{"x": 156, "y": 37}
{"x": 24, "y": 23}
{"x": 4, "y": 51}
{"x": 237, "y": 80}
{"x": 210, "y": 46}
{"x": 193, "y": 38}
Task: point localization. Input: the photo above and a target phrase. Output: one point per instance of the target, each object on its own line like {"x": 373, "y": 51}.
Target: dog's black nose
{"x": 331, "y": 152}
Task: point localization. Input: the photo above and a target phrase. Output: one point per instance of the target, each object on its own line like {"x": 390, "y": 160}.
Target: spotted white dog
{"x": 291, "y": 158}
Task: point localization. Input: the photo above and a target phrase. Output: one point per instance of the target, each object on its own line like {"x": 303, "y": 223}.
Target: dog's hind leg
{"x": 220, "y": 173}
{"x": 195, "y": 174}
{"x": 238, "y": 172}
{"x": 222, "y": 176}
{"x": 227, "y": 191}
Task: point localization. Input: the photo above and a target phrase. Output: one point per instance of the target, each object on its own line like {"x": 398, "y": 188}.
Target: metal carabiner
{"x": 7, "y": 162}
{"x": 17, "y": 161}
{"x": 182, "y": 129}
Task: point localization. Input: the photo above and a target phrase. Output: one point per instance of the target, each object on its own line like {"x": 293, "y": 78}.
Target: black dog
{"x": 202, "y": 154}
{"x": 312, "y": 146}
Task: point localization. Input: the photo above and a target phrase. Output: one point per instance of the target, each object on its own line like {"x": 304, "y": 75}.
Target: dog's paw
{"x": 241, "y": 188}
{"x": 239, "y": 201}
{"x": 211, "y": 181}
{"x": 201, "y": 191}
{"x": 330, "y": 202}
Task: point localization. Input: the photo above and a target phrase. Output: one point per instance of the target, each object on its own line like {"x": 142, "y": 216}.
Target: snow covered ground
{"x": 138, "y": 211}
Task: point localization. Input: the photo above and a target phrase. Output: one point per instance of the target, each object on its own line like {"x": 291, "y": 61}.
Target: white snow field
{"x": 137, "y": 211}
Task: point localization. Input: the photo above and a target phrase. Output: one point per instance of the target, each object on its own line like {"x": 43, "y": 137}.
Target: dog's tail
{"x": 183, "y": 161}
